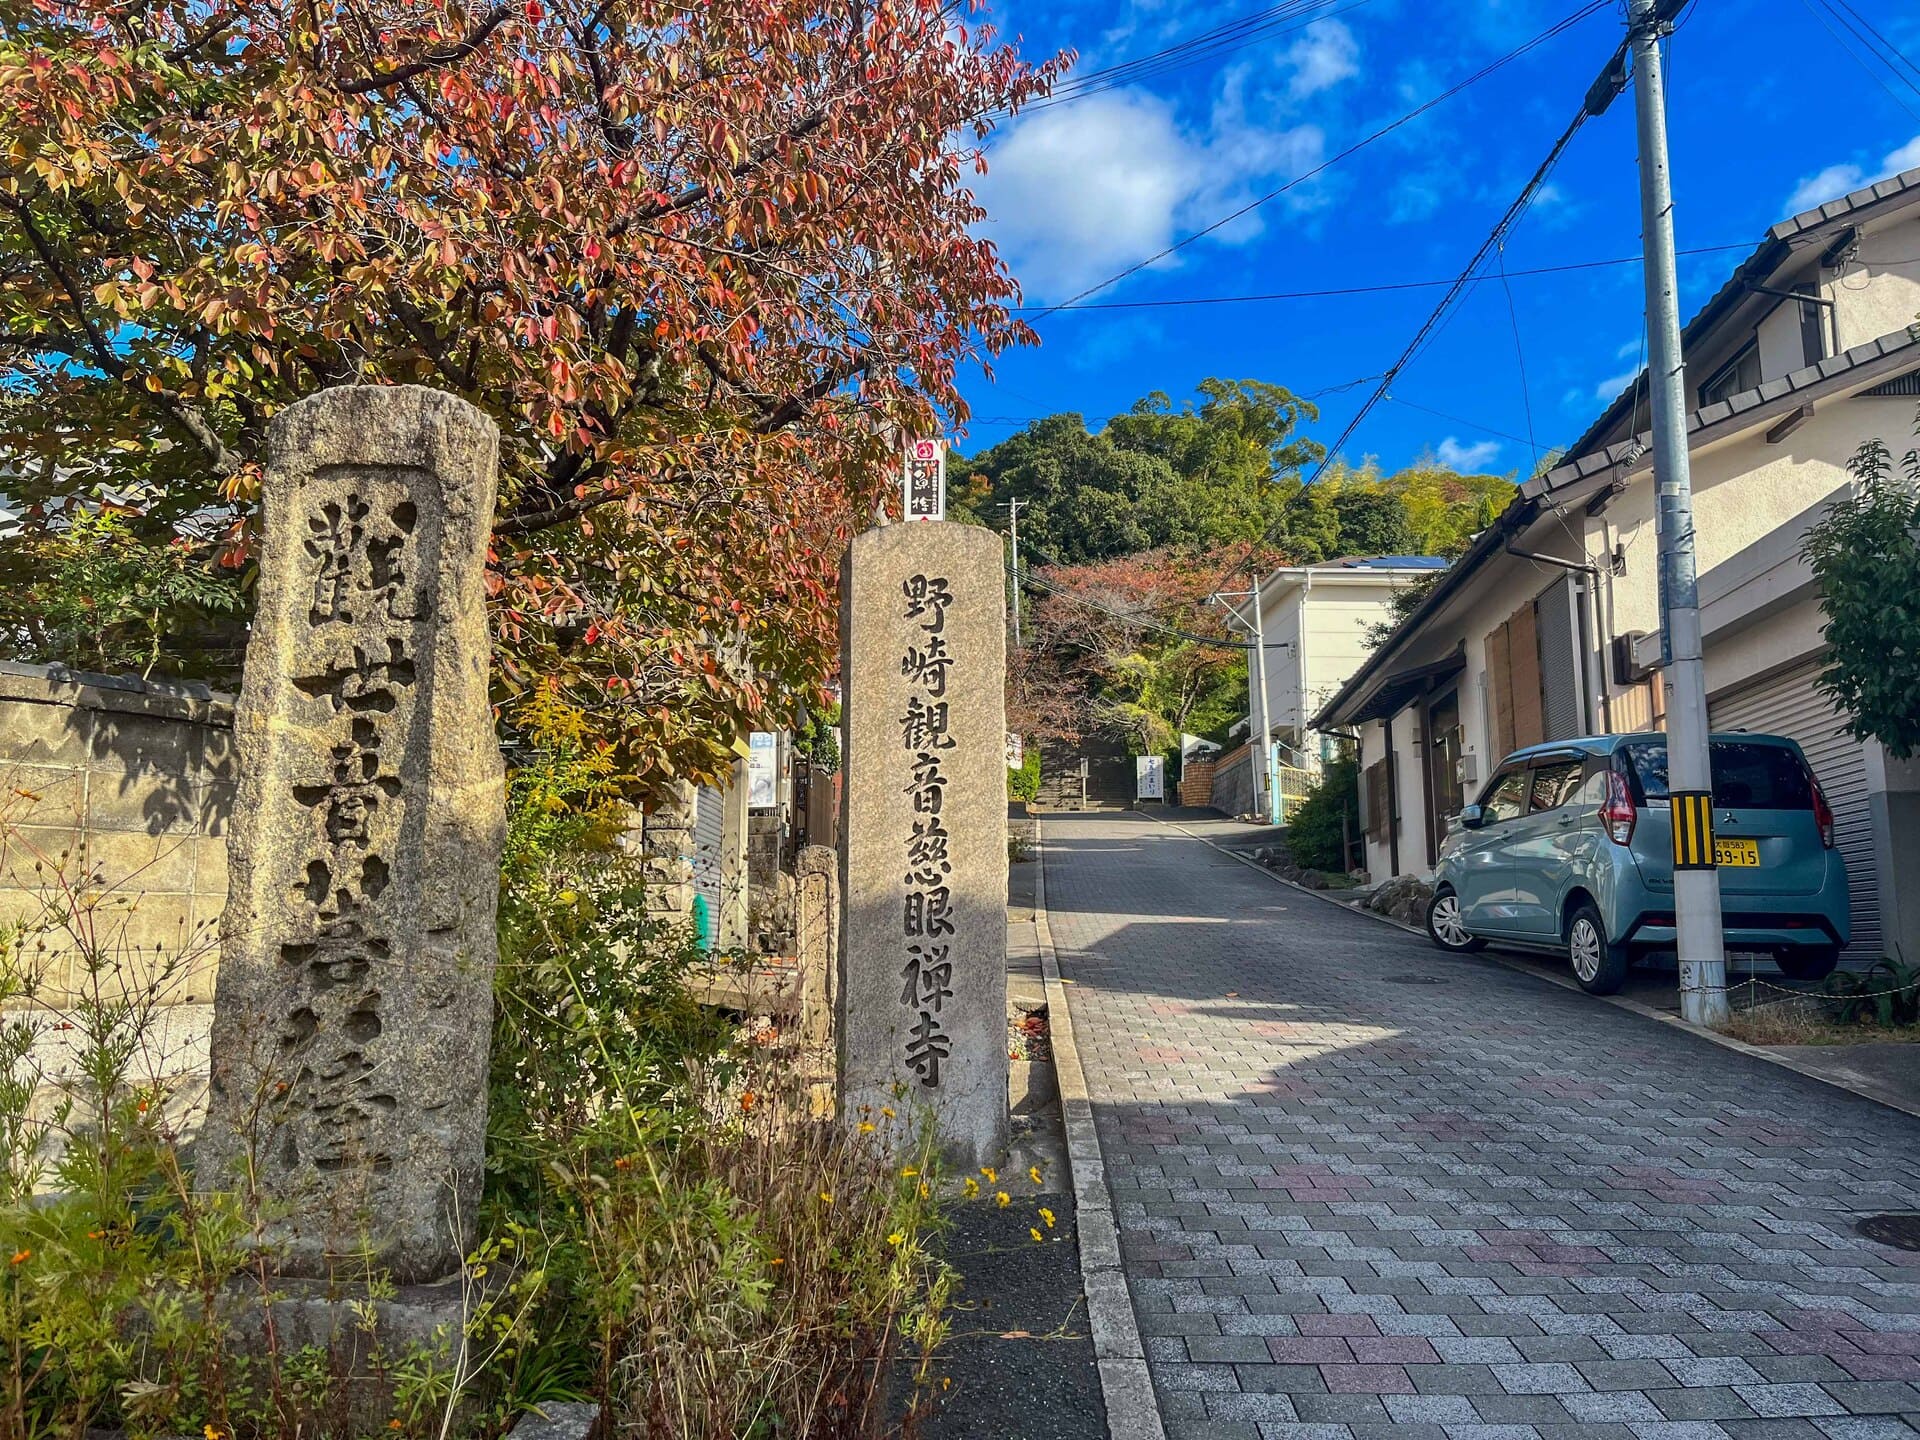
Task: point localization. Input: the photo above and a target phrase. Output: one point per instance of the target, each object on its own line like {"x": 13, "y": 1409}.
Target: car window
{"x": 1745, "y": 775}
{"x": 1554, "y": 784}
{"x": 1761, "y": 777}
{"x": 1506, "y": 797}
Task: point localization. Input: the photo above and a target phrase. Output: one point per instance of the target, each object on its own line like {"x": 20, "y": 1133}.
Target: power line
{"x": 1496, "y": 236}
{"x": 1873, "y": 74}
{"x": 1385, "y": 287}
{"x": 1224, "y": 39}
{"x": 1892, "y": 49}
{"x": 1590, "y": 8}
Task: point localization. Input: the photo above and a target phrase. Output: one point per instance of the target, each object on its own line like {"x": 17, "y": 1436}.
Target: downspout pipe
{"x": 1592, "y": 571}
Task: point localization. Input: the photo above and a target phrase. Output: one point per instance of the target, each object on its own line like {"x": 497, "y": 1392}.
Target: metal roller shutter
{"x": 1789, "y": 705}
{"x": 1559, "y": 663}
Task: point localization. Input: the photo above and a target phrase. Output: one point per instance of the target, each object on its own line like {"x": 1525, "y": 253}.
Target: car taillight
{"x": 1617, "y": 813}
{"x": 1822, "y": 816}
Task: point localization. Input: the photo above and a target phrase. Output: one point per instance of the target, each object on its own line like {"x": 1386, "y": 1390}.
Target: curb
{"x": 1619, "y": 1002}
{"x": 1125, "y": 1384}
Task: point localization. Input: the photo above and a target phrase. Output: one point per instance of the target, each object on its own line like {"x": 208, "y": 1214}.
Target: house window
{"x": 1813, "y": 326}
{"x": 1742, "y": 372}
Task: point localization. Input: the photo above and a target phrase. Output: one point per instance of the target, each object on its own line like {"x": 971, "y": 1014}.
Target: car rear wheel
{"x": 1808, "y": 962}
{"x": 1445, "y": 927}
{"x": 1599, "y": 964}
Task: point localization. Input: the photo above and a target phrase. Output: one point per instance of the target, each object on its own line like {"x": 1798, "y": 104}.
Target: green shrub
{"x": 1024, "y": 783}
{"x": 1888, "y": 994}
{"x": 1314, "y": 834}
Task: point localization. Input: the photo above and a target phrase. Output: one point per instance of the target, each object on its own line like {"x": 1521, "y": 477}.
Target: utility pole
{"x": 1260, "y": 731}
{"x": 1696, "y": 881}
{"x": 1257, "y": 658}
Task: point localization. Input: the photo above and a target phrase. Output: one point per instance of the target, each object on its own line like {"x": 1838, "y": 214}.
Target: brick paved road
{"x": 1484, "y": 1208}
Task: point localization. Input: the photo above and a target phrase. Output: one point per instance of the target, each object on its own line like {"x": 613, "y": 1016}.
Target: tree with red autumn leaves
{"x": 702, "y": 262}
{"x": 1131, "y": 648}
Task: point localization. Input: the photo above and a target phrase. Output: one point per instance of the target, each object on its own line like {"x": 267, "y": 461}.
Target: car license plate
{"x": 1736, "y": 852}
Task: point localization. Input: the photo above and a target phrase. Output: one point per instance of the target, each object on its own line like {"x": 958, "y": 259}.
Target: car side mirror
{"x": 1471, "y": 818}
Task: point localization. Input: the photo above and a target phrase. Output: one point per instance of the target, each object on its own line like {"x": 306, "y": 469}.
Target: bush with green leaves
{"x": 1887, "y": 994}
{"x": 1315, "y": 837}
{"x": 1023, "y": 780}
{"x": 1865, "y": 554}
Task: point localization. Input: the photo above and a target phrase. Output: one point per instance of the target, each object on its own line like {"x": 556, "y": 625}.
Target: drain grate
{"x": 1415, "y": 979}
{"x": 1902, "y": 1232}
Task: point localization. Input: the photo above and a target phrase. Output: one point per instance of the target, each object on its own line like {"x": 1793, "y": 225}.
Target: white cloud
{"x": 1466, "y": 458}
{"x": 1609, "y": 388}
{"x": 1321, "y": 59}
{"x": 1837, "y": 180}
{"x": 1074, "y": 193}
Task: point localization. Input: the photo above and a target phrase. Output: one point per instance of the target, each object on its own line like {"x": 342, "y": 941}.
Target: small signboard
{"x": 1150, "y": 774}
{"x": 763, "y": 768}
{"x": 924, "y": 482}
{"x": 1016, "y": 751}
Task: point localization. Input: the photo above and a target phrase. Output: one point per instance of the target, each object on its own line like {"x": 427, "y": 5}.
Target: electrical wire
{"x": 1431, "y": 324}
{"x": 1222, "y": 40}
{"x": 1383, "y": 288}
{"x": 1519, "y": 354}
{"x": 1873, "y": 74}
{"x": 1590, "y": 8}
{"x": 1887, "y": 45}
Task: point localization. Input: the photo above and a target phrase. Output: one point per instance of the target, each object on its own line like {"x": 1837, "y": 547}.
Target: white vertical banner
{"x": 924, "y": 480}
{"x": 1150, "y": 777}
{"x": 763, "y": 770}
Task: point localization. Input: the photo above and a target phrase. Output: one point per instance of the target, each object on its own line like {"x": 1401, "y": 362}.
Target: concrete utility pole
{"x": 1696, "y": 881}
{"x": 1257, "y": 723}
{"x": 1257, "y": 657}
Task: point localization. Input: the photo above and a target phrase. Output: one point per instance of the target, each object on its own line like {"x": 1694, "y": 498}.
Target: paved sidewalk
{"x": 1362, "y": 1183}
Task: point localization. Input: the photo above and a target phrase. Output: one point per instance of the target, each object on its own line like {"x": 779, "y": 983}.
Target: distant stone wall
{"x": 115, "y": 790}
{"x": 1233, "y": 783}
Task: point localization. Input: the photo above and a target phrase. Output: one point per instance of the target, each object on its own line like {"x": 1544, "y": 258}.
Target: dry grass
{"x": 1802, "y": 1022}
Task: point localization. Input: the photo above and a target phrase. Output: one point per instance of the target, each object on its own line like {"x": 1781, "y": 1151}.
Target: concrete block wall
{"x": 114, "y": 799}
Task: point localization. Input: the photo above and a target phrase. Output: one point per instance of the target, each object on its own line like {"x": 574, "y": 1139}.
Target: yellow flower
{"x": 1047, "y": 1215}
{"x": 925, "y": 1190}
{"x": 20, "y": 1257}
{"x": 826, "y": 1197}
{"x": 779, "y": 1259}
{"x": 1002, "y": 1199}
{"x": 1035, "y": 1233}
{"x": 895, "y": 1238}
{"x": 1033, "y": 1173}
{"x": 993, "y": 1177}
{"x": 971, "y": 1188}
{"x": 887, "y": 1110}
{"x": 866, "y": 1127}
{"x": 213, "y": 1432}
{"x": 907, "y": 1172}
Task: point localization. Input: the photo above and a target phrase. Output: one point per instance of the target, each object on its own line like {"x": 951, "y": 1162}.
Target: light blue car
{"x": 1571, "y": 848}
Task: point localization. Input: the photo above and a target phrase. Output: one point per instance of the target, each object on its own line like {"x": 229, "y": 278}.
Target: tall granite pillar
{"x": 922, "y": 998}
{"x": 353, "y": 1008}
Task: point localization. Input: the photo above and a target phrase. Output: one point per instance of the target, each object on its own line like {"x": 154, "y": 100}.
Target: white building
{"x": 1315, "y": 620}
{"x": 1539, "y": 631}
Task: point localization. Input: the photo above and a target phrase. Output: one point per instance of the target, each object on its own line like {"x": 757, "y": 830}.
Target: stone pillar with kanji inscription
{"x": 922, "y": 1001}
{"x": 354, "y": 1003}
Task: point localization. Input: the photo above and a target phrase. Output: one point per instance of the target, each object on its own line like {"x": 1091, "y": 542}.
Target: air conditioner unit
{"x": 1627, "y": 670}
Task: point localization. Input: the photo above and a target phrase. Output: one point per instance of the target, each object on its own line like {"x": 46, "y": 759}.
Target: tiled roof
{"x": 1595, "y": 461}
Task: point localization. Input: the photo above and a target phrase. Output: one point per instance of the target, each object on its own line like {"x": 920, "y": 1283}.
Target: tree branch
{"x": 433, "y": 59}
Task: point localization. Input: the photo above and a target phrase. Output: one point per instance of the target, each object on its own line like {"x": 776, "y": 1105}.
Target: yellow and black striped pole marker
{"x": 1692, "y": 830}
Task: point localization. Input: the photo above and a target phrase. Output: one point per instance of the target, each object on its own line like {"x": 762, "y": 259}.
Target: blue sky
{"x": 1768, "y": 113}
